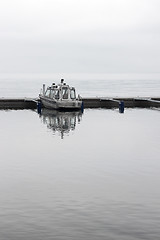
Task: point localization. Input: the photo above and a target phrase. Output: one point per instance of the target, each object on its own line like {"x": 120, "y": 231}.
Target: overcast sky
{"x": 79, "y": 36}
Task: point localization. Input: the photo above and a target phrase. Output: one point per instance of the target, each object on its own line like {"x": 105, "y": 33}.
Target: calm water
{"x": 70, "y": 176}
{"x": 87, "y": 85}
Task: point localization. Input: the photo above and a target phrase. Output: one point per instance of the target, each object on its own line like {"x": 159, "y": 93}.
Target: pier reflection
{"x": 62, "y": 122}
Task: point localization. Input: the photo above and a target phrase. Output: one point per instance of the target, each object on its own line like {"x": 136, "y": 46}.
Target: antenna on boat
{"x": 44, "y": 89}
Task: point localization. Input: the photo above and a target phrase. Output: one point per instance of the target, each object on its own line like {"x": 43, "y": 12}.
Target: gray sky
{"x": 79, "y": 36}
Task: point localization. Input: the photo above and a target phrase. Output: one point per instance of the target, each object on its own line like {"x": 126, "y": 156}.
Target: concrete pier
{"x": 20, "y": 103}
{"x": 31, "y": 103}
{"x": 114, "y": 102}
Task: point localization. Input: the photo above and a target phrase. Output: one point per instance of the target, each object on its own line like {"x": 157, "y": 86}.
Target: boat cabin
{"x": 61, "y": 92}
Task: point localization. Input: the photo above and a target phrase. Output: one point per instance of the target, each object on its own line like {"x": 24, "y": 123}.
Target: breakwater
{"x": 31, "y": 103}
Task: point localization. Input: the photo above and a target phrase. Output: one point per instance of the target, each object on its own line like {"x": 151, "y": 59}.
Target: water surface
{"x": 99, "y": 181}
{"x": 107, "y": 85}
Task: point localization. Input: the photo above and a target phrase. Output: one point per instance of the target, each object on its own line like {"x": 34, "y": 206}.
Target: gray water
{"x": 16, "y": 86}
{"x": 71, "y": 176}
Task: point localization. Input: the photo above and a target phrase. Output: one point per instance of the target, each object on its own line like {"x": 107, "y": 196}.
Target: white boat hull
{"x": 60, "y": 104}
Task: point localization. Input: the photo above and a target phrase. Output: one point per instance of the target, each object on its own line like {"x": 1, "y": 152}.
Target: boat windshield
{"x": 72, "y": 93}
{"x": 48, "y": 91}
{"x": 65, "y": 93}
{"x": 56, "y": 93}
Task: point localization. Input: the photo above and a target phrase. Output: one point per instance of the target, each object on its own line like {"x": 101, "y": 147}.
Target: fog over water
{"x": 98, "y": 36}
{"x": 87, "y": 85}
{"x": 95, "y": 175}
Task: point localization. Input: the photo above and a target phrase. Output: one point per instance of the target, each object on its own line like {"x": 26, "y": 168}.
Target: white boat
{"x": 61, "y": 97}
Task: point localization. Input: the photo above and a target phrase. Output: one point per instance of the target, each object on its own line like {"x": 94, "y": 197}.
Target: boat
{"x": 61, "y": 97}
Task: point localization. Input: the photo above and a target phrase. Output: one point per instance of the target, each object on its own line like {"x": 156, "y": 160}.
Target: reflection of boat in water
{"x": 60, "y": 96}
{"x": 62, "y": 122}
